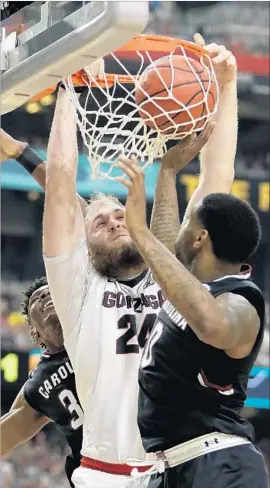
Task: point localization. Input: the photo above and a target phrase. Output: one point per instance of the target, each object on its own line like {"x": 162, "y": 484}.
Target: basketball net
{"x": 108, "y": 117}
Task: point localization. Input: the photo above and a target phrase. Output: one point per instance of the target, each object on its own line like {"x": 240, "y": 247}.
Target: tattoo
{"x": 189, "y": 297}
{"x": 165, "y": 215}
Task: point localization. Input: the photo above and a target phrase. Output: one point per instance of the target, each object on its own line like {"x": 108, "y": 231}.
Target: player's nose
{"x": 114, "y": 224}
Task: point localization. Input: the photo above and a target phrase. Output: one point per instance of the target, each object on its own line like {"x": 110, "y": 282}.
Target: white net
{"x": 111, "y": 123}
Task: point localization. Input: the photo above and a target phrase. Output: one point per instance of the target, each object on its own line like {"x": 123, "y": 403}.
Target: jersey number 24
{"x": 129, "y": 341}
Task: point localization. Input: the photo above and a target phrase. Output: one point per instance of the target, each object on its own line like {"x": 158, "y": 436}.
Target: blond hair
{"x": 101, "y": 199}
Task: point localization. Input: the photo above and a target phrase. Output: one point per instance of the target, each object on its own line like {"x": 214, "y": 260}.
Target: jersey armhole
{"x": 27, "y": 397}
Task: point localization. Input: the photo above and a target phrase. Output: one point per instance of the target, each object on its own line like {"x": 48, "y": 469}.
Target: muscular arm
{"x": 217, "y": 157}
{"x": 66, "y": 256}
{"x": 63, "y": 224}
{"x": 165, "y": 223}
{"x": 20, "y": 424}
{"x": 225, "y": 323}
{"x": 165, "y": 220}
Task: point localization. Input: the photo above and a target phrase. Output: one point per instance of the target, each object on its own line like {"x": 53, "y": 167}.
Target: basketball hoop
{"x": 114, "y": 125}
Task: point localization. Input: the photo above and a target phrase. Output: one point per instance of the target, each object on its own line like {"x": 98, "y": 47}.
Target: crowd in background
{"x": 37, "y": 464}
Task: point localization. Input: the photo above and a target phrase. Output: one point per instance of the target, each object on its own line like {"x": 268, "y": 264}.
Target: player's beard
{"x": 109, "y": 262}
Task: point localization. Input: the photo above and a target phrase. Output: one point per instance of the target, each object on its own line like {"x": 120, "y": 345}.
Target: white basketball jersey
{"x": 113, "y": 321}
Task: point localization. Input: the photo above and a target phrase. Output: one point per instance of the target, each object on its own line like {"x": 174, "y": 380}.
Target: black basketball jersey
{"x": 51, "y": 391}
{"x": 189, "y": 388}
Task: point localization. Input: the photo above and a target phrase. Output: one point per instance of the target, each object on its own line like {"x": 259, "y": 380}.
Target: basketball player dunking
{"x": 104, "y": 294}
{"x": 49, "y": 395}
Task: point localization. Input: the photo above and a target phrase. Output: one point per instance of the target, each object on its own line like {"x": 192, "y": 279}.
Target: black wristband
{"x": 29, "y": 159}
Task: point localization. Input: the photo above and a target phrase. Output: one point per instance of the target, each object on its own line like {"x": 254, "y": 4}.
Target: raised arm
{"x": 64, "y": 238}
{"x": 228, "y": 322}
{"x": 165, "y": 220}
{"x": 63, "y": 224}
{"x": 23, "y": 154}
{"x": 20, "y": 424}
{"x": 216, "y": 158}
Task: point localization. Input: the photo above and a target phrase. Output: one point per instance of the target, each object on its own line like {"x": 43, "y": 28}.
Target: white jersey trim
{"x": 238, "y": 276}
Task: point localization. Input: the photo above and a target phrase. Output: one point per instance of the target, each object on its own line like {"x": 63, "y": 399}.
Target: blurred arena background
{"x": 244, "y": 28}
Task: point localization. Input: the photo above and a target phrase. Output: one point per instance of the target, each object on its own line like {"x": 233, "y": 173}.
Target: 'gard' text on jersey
{"x": 55, "y": 379}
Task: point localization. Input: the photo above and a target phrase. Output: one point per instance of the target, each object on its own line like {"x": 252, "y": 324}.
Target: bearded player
{"x": 105, "y": 351}
{"x": 49, "y": 395}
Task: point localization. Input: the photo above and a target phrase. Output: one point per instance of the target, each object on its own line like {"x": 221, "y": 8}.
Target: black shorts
{"x": 235, "y": 467}
{"x": 70, "y": 466}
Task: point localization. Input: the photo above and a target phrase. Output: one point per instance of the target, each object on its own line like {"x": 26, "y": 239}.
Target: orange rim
{"x": 142, "y": 43}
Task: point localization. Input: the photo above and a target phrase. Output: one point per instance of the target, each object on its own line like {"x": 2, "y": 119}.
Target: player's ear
{"x": 201, "y": 239}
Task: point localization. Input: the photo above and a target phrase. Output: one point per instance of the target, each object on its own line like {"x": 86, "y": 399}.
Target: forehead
{"x": 37, "y": 293}
{"x": 102, "y": 208}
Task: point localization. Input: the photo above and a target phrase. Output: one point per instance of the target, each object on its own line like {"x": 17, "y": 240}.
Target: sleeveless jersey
{"x": 189, "y": 388}
{"x": 105, "y": 323}
{"x": 51, "y": 391}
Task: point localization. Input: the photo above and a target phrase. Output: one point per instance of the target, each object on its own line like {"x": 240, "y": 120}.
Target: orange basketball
{"x": 169, "y": 84}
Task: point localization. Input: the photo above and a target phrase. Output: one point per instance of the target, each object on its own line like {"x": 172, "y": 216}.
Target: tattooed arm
{"x": 229, "y": 322}
{"x": 165, "y": 221}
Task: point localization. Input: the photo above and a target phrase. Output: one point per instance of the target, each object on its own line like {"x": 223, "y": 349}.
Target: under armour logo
{"x": 208, "y": 443}
{"x": 161, "y": 456}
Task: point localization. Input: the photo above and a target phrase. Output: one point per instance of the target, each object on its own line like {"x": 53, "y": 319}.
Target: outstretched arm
{"x": 23, "y": 154}
{"x": 216, "y": 158}
{"x": 63, "y": 224}
{"x": 229, "y": 322}
{"x": 64, "y": 237}
{"x": 20, "y": 424}
{"x": 165, "y": 221}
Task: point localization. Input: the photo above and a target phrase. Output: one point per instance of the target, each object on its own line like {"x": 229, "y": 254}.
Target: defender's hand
{"x": 223, "y": 60}
{"x": 10, "y": 148}
{"x": 183, "y": 153}
{"x": 135, "y": 214}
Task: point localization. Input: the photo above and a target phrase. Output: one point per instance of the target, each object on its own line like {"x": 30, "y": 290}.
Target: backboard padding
{"x": 50, "y": 50}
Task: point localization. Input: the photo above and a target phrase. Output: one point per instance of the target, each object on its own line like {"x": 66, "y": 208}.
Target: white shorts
{"x": 90, "y": 478}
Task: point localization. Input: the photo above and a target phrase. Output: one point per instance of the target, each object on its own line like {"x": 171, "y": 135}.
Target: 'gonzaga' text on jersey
{"x": 105, "y": 323}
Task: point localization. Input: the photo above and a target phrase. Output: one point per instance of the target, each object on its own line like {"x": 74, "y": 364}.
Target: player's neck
{"x": 213, "y": 269}
{"x": 53, "y": 348}
{"x": 130, "y": 273}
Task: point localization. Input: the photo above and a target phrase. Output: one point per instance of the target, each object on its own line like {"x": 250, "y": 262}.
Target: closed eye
{"x": 100, "y": 224}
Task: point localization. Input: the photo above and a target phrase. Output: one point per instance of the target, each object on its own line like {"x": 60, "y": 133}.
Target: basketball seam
{"x": 152, "y": 95}
{"x": 175, "y": 68}
{"x": 176, "y": 115}
{"x": 187, "y": 104}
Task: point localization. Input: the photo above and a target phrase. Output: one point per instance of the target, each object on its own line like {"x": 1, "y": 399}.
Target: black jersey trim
{"x": 48, "y": 354}
{"x": 134, "y": 281}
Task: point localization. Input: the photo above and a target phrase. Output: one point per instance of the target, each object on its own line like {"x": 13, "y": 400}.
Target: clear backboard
{"x": 46, "y": 41}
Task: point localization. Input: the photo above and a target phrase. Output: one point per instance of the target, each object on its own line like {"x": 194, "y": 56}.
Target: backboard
{"x": 47, "y": 41}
